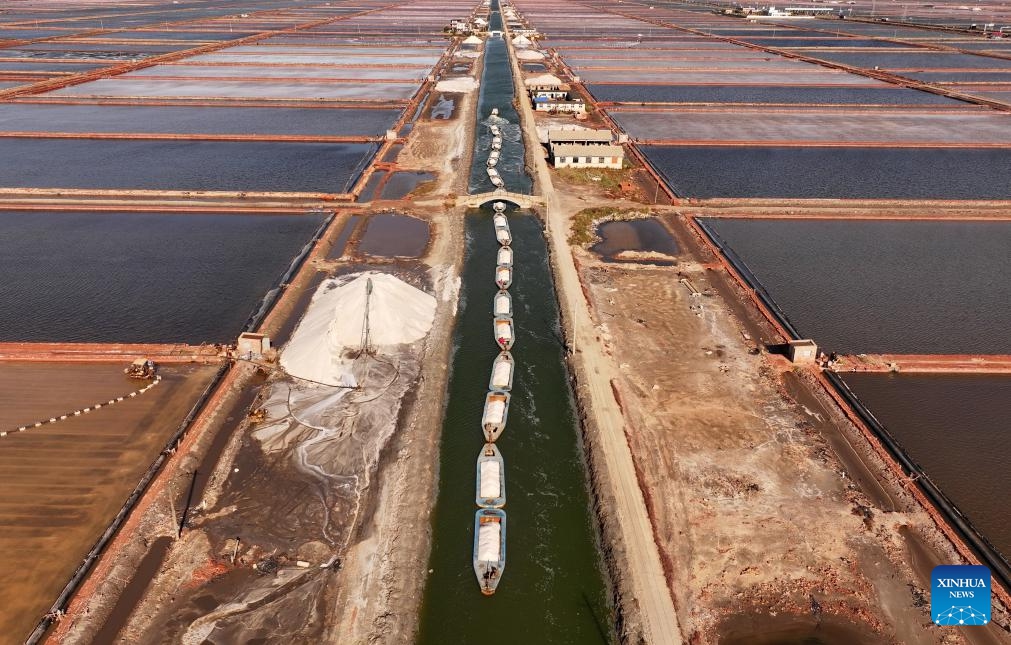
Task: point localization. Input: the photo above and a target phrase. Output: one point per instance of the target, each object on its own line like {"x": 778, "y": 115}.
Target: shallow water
{"x": 842, "y": 173}
{"x": 883, "y": 95}
{"x": 884, "y": 286}
{"x": 955, "y": 428}
{"x": 140, "y": 277}
{"x": 182, "y": 165}
{"x": 635, "y": 235}
{"x": 390, "y": 235}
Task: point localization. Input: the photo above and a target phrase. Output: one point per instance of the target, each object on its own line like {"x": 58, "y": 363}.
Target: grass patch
{"x": 606, "y": 178}
{"x": 582, "y": 232}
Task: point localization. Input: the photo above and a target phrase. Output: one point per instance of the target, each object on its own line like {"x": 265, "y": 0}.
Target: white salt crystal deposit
{"x": 332, "y": 326}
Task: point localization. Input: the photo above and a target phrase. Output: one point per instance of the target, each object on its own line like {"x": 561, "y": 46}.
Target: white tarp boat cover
{"x": 503, "y": 330}
{"x": 491, "y": 481}
{"x": 489, "y": 542}
{"x": 505, "y": 255}
{"x": 496, "y": 411}
{"x": 503, "y": 274}
{"x": 500, "y": 375}
{"x": 501, "y": 234}
{"x": 501, "y": 305}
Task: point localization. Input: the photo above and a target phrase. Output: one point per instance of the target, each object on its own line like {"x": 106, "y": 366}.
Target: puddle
{"x": 400, "y": 184}
{"x": 635, "y": 240}
{"x": 534, "y": 67}
{"x": 390, "y": 235}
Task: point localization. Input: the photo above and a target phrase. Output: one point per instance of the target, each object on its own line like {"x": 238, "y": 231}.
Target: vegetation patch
{"x": 605, "y": 178}
{"x": 585, "y": 222}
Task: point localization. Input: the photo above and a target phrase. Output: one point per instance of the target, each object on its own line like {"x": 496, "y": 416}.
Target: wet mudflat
{"x": 389, "y": 235}
{"x": 181, "y": 165}
{"x": 140, "y": 277}
{"x": 63, "y": 483}
{"x": 884, "y": 286}
{"x": 955, "y": 428}
{"x": 836, "y": 173}
{"x": 402, "y": 183}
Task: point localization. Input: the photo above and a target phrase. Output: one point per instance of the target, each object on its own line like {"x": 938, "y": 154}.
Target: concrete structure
{"x": 561, "y": 93}
{"x": 571, "y": 106}
{"x": 576, "y": 155}
{"x": 803, "y": 351}
{"x": 252, "y": 345}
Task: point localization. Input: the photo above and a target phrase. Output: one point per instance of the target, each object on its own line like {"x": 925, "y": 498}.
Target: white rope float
{"x": 77, "y": 413}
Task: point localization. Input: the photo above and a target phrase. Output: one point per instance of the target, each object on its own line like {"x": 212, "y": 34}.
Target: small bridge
{"x": 476, "y": 201}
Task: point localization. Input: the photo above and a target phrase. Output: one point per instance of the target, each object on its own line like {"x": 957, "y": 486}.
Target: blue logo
{"x": 960, "y": 595}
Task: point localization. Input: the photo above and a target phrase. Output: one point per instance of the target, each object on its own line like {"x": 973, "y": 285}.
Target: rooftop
{"x": 567, "y": 136}
{"x": 581, "y": 150}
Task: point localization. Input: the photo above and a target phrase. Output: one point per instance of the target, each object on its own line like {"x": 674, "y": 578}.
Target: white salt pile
{"x": 529, "y": 54}
{"x": 491, "y": 482}
{"x": 332, "y": 327}
{"x": 462, "y": 84}
{"x": 496, "y": 411}
{"x": 500, "y": 375}
{"x": 489, "y": 542}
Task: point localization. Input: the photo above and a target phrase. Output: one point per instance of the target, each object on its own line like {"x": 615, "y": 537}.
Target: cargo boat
{"x": 503, "y": 235}
{"x": 490, "y": 486}
{"x": 502, "y": 372}
{"x": 489, "y": 548}
{"x": 505, "y": 256}
{"x": 503, "y": 277}
{"x": 496, "y": 179}
{"x": 499, "y": 219}
{"x": 503, "y": 328}
{"x": 503, "y": 304}
{"x": 496, "y": 413}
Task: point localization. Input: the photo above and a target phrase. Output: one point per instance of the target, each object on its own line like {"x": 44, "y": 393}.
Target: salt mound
{"x": 463, "y": 84}
{"x": 332, "y": 326}
{"x": 529, "y": 54}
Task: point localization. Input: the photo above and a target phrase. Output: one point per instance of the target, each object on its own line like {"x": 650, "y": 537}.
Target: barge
{"x": 490, "y": 486}
{"x": 496, "y": 413}
{"x": 502, "y": 372}
{"x": 489, "y": 548}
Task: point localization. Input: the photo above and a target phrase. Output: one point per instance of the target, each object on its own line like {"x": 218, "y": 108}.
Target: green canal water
{"x": 554, "y": 588}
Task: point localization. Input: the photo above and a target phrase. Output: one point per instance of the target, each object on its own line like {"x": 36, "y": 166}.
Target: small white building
{"x": 549, "y": 94}
{"x": 570, "y": 106}
{"x": 575, "y": 155}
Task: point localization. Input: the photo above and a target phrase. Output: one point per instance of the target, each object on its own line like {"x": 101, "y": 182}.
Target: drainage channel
{"x": 553, "y": 588}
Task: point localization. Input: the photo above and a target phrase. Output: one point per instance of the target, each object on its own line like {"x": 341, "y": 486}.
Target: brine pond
{"x": 836, "y": 173}
{"x": 911, "y": 287}
{"x": 955, "y": 428}
{"x": 140, "y": 277}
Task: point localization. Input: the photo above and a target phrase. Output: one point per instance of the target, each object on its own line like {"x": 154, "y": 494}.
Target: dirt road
{"x": 649, "y": 586}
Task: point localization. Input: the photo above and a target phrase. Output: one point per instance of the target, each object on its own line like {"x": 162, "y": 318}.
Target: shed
{"x": 252, "y": 345}
{"x": 803, "y": 351}
{"x": 583, "y": 136}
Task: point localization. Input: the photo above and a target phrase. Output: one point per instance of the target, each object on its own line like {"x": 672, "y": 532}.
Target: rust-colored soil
{"x": 64, "y": 482}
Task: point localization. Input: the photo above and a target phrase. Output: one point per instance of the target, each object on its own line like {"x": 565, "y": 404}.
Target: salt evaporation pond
{"x": 140, "y": 277}
{"x": 390, "y": 235}
{"x": 911, "y": 287}
{"x": 955, "y": 428}
{"x": 837, "y": 173}
{"x": 180, "y": 119}
{"x": 869, "y": 95}
{"x": 182, "y": 165}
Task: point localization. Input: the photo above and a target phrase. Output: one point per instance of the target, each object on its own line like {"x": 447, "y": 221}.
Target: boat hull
{"x": 504, "y": 332}
{"x": 504, "y": 277}
{"x": 493, "y": 423}
{"x": 502, "y": 384}
{"x": 502, "y": 304}
{"x": 489, "y": 572}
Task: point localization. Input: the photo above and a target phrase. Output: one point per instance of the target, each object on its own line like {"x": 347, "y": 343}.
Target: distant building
{"x": 549, "y": 94}
{"x": 576, "y": 155}
{"x": 571, "y": 106}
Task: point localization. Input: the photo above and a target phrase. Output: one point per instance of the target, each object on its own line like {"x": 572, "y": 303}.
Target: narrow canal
{"x": 553, "y": 589}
